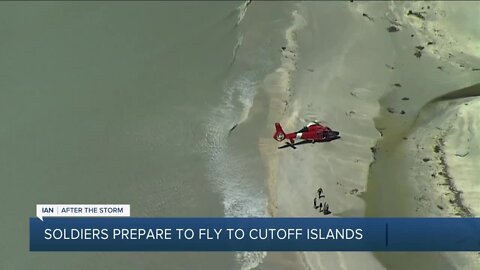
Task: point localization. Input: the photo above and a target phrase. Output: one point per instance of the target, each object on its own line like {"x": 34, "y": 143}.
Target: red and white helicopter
{"x": 312, "y": 132}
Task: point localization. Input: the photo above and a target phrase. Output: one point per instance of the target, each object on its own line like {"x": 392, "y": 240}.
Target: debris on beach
{"x": 231, "y": 129}
{"x": 418, "y": 54}
{"x": 350, "y": 113}
{"x": 419, "y": 47}
{"x": 392, "y": 110}
{"x": 380, "y": 130}
{"x": 417, "y": 14}
{"x": 368, "y": 17}
{"x": 393, "y": 29}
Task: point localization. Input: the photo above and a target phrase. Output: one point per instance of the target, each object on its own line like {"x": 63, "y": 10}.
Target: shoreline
{"x": 279, "y": 94}
{"x": 458, "y": 201}
{"x": 372, "y": 97}
{"x": 292, "y": 182}
{"x": 433, "y": 188}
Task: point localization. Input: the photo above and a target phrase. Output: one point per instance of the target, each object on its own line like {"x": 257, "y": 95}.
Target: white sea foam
{"x": 249, "y": 90}
{"x": 237, "y": 46}
{"x": 242, "y": 196}
{"x": 227, "y": 168}
{"x": 242, "y": 10}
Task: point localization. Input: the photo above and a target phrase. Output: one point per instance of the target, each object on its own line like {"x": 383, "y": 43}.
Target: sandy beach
{"x": 170, "y": 106}
{"x": 377, "y": 79}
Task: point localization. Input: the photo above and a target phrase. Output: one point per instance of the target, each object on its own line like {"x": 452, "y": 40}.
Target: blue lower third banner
{"x": 255, "y": 234}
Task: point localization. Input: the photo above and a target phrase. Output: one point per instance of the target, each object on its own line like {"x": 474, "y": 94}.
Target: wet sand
{"x": 370, "y": 79}
{"x": 310, "y": 87}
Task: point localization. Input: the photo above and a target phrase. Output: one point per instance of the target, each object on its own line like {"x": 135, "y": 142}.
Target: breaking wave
{"x": 242, "y": 196}
{"x": 227, "y": 166}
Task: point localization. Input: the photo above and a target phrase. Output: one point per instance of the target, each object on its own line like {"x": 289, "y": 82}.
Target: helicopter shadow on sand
{"x": 293, "y": 145}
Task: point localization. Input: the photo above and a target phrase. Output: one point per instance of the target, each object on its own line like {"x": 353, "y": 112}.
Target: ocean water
{"x": 132, "y": 102}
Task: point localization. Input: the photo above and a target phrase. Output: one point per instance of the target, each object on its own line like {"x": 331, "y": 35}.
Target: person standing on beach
{"x": 315, "y": 206}
{"x": 326, "y": 211}
{"x": 320, "y": 191}
{"x": 322, "y": 207}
